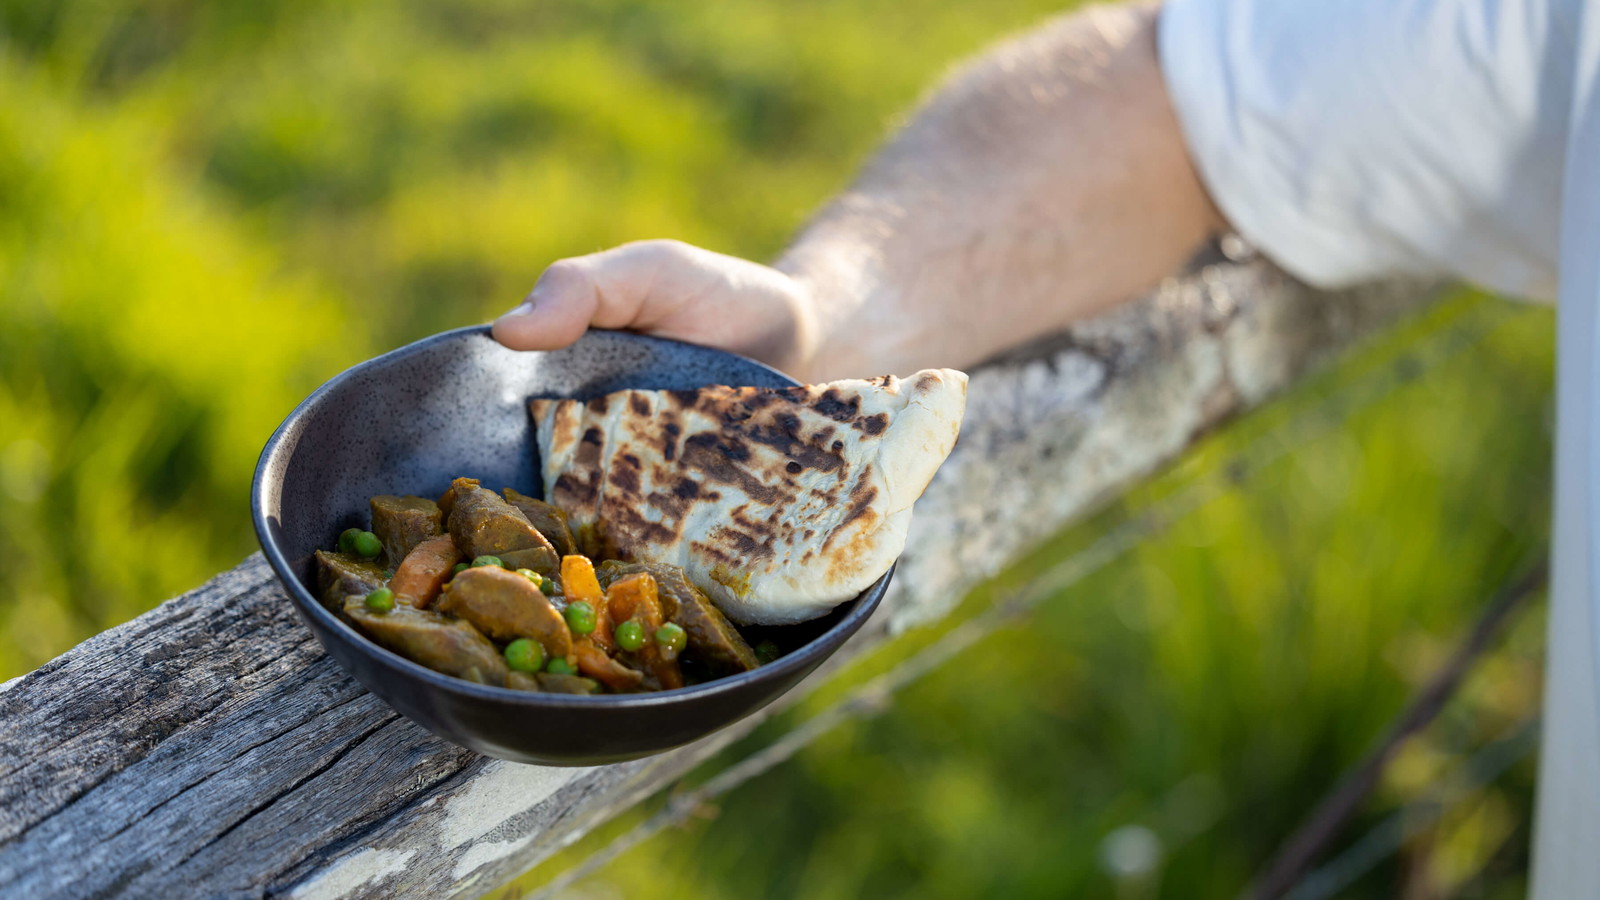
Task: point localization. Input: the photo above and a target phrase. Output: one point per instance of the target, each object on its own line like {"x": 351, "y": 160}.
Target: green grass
{"x": 211, "y": 208}
{"x": 1209, "y": 686}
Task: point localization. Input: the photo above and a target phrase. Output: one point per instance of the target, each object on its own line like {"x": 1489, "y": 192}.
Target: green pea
{"x": 347, "y": 540}
{"x": 460, "y": 567}
{"x": 672, "y": 637}
{"x": 580, "y": 617}
{"x": 559, "y": 666}
{"x": 545, "y": 585}
{"x": 367, "y": 544}
{"x": 487, "y": 560}
{"x": 380, "y": 600}
{"x": 525, "y": 655}
{"x": 767, "y": 651}
{"x": 630, "y": 635}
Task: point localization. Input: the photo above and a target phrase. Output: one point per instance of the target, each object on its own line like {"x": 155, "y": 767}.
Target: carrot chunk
{"x": 423, "y": 572}
{"x": 636, "y": 597}
{"x": 593, "y": 662}
{"x": 578, "y": 582}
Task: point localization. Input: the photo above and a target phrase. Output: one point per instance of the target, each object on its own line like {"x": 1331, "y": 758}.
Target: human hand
{"x": 668, "y": 289}
{"x": 1047, "y": 182}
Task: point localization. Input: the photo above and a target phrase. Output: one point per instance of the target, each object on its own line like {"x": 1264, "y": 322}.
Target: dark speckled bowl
{"x": 456, "y": 404}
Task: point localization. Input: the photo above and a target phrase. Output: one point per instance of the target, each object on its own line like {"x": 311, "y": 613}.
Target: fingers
{"x": 669, "y": 289}
{"x": 639, "y": 285}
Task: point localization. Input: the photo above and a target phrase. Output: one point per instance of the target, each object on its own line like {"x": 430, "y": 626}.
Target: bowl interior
{"x": 450, "y": 405}
{"x": 456, "y": 404}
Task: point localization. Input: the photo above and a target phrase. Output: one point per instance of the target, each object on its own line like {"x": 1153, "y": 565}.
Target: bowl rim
{"x": 806, "y": 657}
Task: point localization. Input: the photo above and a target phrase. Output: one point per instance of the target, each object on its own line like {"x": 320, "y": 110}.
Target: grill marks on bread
{"x": 740, "y": 442}
{"x": 786, "y": 485}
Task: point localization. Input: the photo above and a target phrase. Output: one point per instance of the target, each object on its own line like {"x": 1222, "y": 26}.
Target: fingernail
{"x": 523, "y": 309}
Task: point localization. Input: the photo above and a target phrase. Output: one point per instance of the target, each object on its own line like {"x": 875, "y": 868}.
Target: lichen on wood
{"x": 210, "y": 748}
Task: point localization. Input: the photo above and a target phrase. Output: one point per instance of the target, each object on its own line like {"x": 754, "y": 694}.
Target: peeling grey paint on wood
{"x": 1056, "y": 429}
{"x": 209, "y": 748}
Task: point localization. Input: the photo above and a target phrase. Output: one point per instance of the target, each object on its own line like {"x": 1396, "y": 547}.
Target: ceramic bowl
{"x": 456, "y": 404}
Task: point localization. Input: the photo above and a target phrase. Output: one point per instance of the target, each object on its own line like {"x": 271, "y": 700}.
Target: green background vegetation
{"x": 206, "y": 209}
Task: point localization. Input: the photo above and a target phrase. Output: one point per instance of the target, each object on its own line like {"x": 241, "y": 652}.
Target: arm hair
{"x": 1040, "y": 183}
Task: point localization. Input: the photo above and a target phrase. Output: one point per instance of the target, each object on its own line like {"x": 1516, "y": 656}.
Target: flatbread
{"x": 779, "y": 503}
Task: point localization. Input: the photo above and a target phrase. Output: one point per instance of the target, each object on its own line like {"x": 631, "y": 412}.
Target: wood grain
{"x": 209, "y": 748}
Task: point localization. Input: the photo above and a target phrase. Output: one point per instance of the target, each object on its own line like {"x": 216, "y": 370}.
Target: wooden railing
{"x": 209, "y": 748}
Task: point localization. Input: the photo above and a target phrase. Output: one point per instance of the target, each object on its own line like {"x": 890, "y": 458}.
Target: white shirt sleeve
{"x": 1364, "y": 138}
{"x": 1354, "y": 139}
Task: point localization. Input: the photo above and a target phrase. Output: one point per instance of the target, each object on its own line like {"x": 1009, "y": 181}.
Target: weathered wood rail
{"x": 209, "y": 748}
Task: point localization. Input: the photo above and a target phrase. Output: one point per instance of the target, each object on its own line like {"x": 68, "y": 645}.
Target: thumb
{"x": 639, "y": 286}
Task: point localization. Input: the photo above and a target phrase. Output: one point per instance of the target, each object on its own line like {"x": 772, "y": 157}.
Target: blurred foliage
{"x": 209, "y": 208}
{"x": 1178, "y": 712}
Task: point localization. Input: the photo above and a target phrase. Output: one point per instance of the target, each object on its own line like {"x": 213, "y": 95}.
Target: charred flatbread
{"x": 779, "y": 503}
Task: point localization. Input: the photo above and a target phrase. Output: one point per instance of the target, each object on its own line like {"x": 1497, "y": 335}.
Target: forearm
{"x": 1042, "y": 183}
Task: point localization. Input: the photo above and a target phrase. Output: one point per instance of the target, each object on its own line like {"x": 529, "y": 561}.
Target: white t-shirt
{"x": 1356, "y": 139}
